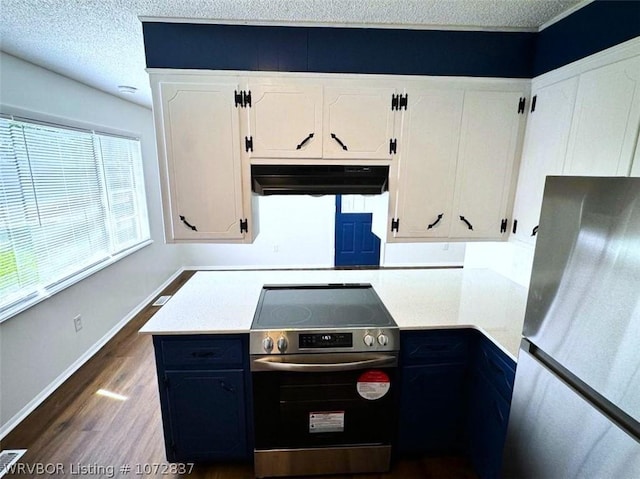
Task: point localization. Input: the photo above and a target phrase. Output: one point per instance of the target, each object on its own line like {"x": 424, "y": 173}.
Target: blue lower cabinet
{"x": 488, "y": 418}
{"x": 204, "y": 385}
{"x": 455, "y": 396}
{"x": 433, "y": 375}
{"x": 491, "y": 386}
{"x": 207, "y": 415}
{"x": 432, "y": 409}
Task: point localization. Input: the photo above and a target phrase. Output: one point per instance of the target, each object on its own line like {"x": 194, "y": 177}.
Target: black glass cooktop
{"x": 320, "y": 306}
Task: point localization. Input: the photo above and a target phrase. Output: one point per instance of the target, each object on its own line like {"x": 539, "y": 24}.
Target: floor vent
{"x": 161, "y": 301}
{"x": 8, "y": 458}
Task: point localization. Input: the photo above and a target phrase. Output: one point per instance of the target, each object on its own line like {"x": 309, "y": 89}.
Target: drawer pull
{"x": 227, "y": 387}
{"x": 204, "y": 354}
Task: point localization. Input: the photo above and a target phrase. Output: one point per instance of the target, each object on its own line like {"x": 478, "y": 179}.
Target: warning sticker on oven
{"x": 373, "y": 384}
{"x": 332, "y": 421}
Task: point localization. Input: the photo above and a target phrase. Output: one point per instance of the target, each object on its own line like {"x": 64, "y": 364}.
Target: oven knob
{"x": 282, "y": 344}
{"x": 369, "y": 340}
{"x": 383, "y": 339}
{"x": 267, "y": 344}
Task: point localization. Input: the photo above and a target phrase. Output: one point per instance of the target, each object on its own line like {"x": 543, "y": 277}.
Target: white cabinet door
{"x": 491, "y": 127}
{"x": 545, "y": 147}
{"x": 358, "y": 123}
{"x": 285, "y": 120}
{"x": 199, "y": 139}
{"x": 605, "y": 122}
{"x": 427, "y": 164}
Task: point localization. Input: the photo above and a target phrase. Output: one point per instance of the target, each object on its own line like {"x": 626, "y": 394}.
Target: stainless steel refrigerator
{"x": 576, "y": 403}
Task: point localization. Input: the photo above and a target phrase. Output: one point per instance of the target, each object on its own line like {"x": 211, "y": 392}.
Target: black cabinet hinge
{"x": 399, "y": 102}
{"x": 242, "y": 98}
{"x": 393, "y": 146}
{"x": 521, "y": 105}
{"x": 248, "y": 144}
{"x": 515, "y": 226}
{"x": 395, "y": 224}
{"x": 503, "y": 226}
{"x": 533, "y": 103}
{"x": 165, "y": 381}
{"x": 244, "y": 226}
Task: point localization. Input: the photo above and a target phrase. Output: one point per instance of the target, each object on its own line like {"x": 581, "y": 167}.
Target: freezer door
{"x": 583, "y": 308}
{"x": 554, "y": 433}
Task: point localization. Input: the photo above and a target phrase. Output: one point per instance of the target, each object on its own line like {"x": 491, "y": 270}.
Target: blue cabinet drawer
{"x": 201, "y": 353}
{"x": 435, "y": 346}
{"x": 498, "y": 368}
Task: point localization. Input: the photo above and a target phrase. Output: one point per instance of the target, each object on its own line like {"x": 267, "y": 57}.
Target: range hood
{"x": 319, "y": 179}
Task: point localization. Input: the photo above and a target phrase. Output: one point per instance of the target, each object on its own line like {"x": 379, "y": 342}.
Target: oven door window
{"x": 294, "y": 409}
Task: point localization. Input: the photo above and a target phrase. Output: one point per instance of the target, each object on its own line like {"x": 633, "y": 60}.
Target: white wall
{"x": 513, "y": 259}
{"x": 298, "y": 232}
{"x": 295, "y": 232}
{"x": 39, "y": 347}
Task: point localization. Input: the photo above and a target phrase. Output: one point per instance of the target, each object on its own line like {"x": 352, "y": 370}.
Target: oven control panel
{"x": 354, "y": 340}
{"x": 325, "y": 340}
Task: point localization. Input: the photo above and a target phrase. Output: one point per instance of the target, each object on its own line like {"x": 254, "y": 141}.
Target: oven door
{"x": 323, "y": 400}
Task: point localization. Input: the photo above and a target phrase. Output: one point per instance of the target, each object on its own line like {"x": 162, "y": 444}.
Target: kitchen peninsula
{"x": 459, "y": 334}
{"x": 223, "y": 302}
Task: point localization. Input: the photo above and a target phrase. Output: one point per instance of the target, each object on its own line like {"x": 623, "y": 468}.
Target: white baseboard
{"x": 45, "y": 393}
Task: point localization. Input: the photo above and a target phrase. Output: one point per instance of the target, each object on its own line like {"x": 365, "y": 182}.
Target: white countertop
{"x": 214, "y": 302}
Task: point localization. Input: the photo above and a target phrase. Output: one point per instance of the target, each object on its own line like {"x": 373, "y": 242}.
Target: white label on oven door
{"x": 332, "y": 421}
{"x": 373, "y": 385}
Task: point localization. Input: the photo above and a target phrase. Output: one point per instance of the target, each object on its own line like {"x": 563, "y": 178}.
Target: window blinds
{"x": 69, "y": 200}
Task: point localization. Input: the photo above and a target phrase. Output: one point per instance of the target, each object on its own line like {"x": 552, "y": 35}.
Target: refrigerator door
{"x": 554, "y": 433}
{"x": 583, "y": 307}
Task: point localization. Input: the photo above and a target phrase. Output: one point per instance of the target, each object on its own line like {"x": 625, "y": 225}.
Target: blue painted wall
{"x": 595, "y": 27}
{"x": 338, "y": 50}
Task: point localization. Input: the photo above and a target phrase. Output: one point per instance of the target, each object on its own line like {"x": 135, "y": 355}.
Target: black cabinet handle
{"x": 436, "y": 221}
{"x": 226, "y": 387}
{"x": 534, "y": 231}
{"x": 344, "y": 147}
{"x": 203, "y": 354}
{"x": 462, "y": 218}
{"x": 303, "y": 142}
{"x": 184, "y": 220}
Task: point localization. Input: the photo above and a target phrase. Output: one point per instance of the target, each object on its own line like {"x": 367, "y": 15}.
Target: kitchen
{"x": 27, "y": 375}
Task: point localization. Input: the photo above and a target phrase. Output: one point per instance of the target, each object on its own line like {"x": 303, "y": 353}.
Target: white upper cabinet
{"x": 198, "y": 132}
{"x": 358, "y": 123}
{"x": 489, "y": 142}
{"x": 427, "y": 164}
{"x": 285, "y": 120}
{"x": 605, "y": 122}
{"x": 544, "y": 150}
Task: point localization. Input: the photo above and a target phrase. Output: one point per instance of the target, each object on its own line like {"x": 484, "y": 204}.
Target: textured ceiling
{"x": 99, "y": 42}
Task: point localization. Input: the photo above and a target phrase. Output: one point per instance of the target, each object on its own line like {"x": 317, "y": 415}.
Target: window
{"x": 71, "y": 201}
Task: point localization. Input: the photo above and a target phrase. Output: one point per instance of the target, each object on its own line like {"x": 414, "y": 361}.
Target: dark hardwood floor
{"x": 78, "y": 432}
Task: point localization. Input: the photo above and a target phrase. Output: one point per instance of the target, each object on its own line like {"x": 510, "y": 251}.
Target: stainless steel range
{"x": 323, "y": 362}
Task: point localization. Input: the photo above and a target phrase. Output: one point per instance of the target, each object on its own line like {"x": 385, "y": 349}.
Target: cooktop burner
{"x": 320, "y": 306}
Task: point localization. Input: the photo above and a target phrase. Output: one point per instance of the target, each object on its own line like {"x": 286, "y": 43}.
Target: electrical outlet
{"x": 77, "y": 322}
{"x": 276, "y": 248}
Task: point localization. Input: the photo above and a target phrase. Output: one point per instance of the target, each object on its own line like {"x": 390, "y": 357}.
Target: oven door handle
{"x": 276, "y": 364}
